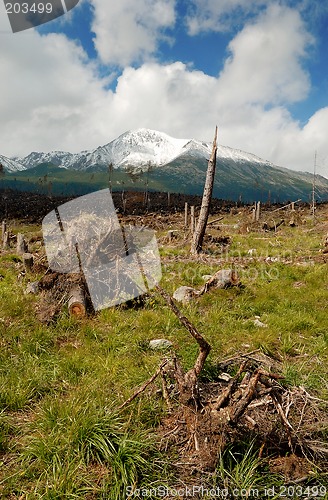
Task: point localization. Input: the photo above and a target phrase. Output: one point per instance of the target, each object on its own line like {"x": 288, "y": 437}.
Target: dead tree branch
{"x": 204, "y": 346}
{"x": 144, "y": 386}
{"x": 188, "y": 382}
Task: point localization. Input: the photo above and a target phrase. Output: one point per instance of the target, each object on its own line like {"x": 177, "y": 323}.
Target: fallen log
{"x": 76, "y": 302}
{"x": 272, "y": 227}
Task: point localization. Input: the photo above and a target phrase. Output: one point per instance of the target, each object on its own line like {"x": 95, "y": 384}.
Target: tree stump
{"x": 21, "y": 247}
{"x": 5, "y": 240}
{"x": 28, "y": 261}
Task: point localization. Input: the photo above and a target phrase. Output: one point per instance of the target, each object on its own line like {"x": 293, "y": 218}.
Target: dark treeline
{"x": 32, "y": 207}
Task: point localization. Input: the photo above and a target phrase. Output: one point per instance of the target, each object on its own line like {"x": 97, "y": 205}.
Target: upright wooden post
{"x": 21, "y": 244}
{"x": 186, "y": 215}
{"x": 3, "y": 228}
{"x": 258, "y": 211}
{"x": 123, "y": 201}
{"x": 192, "y": 219}
{"x": 199, "y": 233}
{"x": 5, "y": 240}
{"x": 3, "y": 234}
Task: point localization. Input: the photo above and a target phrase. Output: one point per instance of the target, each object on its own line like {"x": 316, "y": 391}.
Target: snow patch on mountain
{"x": 11, "y": 165}
{"x": 141, "y": 147}
{"x": 241, "y": 156}
{"x": 136, "y": 149}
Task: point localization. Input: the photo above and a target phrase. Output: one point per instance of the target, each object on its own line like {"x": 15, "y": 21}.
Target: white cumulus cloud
{"x": 265, "y": 65}
{"x": 130, "y": 30}
{"x": 219, "y": 15}
{"x": 53, "y": 97}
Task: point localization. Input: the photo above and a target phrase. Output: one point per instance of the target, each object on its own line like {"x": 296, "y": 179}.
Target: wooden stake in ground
{"x": 21, "y": 247}
{"x": 3, "y": 229}
{"x": 198, "y": 236}
{"x": 192, "y": 219}
{"x": 186, "y": 215}
{"x": 5, "y": 240}
{"x": 258, "y": 211}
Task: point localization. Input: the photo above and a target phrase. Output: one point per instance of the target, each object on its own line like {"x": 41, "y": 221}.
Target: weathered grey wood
{"x": 3, "y": 228}
{"x": 21, "y": 247}
{"x": 198, "y": 236}
{"x": 76, "y": 302}
{"x": 258, "y": 211}
{"x": 285, "y": 206}
{"x": 215, "y": 220}
{"x": 5, "y": 240}
{"x": 192, "y": 219}
{"x": 186, "y": 215}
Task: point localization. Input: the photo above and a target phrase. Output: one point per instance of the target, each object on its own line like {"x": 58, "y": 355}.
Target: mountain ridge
{"x": 176, "y": 165}
{"x": 134, "y": 147}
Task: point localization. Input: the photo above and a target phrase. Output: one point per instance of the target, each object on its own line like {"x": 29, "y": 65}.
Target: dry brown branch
{"x": 166, "y": 394}
{"x": 204, "y": 346}
{"x": 144, "y": 386}
{"x": 215, "y": 220}
{"x": 237, "y": 410}
{"x": 225, "y": 395}
{"x": 312, "y": 397}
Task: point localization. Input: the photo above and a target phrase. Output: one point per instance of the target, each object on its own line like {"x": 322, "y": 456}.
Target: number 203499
{"x": 25, "y": 8}
{"x": 302, "y": 492}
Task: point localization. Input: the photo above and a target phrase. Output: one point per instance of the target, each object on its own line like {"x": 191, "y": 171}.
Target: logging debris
{"x": 252, "y": 403}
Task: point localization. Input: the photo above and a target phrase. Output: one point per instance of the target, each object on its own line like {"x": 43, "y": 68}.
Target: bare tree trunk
{"x": 197, "y": 241}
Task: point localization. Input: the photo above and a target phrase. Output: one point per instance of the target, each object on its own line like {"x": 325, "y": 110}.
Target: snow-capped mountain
{"x": 164, "y": 164}
{"x": 10, "y": 165}
{"x": 135, "y": 149}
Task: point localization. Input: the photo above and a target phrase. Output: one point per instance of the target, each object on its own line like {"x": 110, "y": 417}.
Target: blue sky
{"x": 255, "y": 68}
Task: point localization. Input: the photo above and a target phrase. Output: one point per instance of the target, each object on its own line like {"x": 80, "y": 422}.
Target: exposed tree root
{"x": 204, "y": 417}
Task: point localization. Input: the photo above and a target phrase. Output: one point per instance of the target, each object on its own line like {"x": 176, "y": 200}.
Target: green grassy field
{"x": 61, "y": 434}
